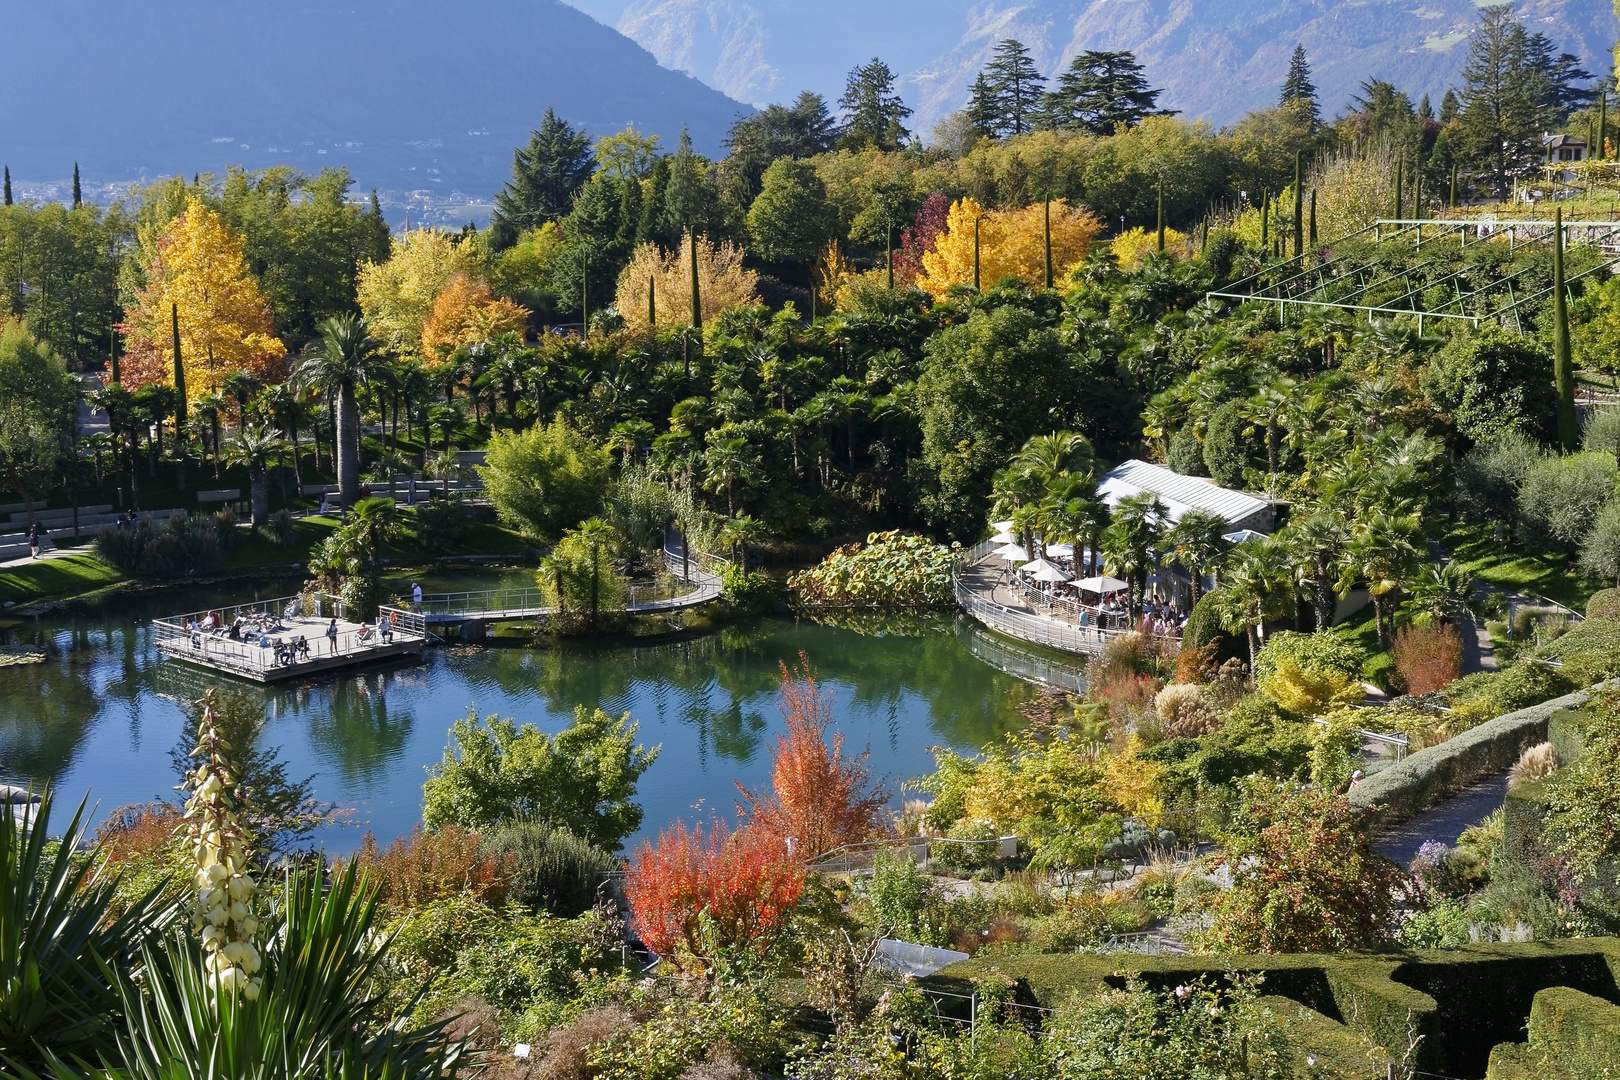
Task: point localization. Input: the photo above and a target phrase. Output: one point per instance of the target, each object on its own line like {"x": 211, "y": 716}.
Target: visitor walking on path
{"x": 332, "y": 635}
{"x": 416, "y": 596}
{"x": 33, "y": 540}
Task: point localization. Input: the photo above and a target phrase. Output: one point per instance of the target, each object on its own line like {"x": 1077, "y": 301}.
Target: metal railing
{"x": 1030, "y": 666}
{"x": 692, "y": 578}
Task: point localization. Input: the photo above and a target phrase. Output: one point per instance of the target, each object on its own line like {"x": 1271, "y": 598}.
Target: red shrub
{"x": 432, "y": 866}
{"x": 746, "y": 882}
{"x": 139, "y": 833}
{"x": 819, "y": 800}
{"x": 1426, "y": 657}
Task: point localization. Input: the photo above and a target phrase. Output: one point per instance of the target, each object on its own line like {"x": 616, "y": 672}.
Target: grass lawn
{"x": 65, "y": 576}
{"x": 1497, "y": 562}
{"x": 1360, "y": 630}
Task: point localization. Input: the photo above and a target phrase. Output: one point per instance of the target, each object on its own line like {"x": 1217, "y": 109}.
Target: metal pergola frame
{"x": 1303, "y": 282}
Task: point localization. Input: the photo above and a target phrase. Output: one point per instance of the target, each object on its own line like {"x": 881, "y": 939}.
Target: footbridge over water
{"x": 690, "y": 577}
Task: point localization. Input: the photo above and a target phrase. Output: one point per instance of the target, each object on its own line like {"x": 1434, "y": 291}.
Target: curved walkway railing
{"x": 1023, "y": 625}
{"x": 696, "y": 577}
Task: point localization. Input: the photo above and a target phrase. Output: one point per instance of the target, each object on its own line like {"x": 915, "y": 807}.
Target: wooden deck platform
{"x": 252, "y": 653}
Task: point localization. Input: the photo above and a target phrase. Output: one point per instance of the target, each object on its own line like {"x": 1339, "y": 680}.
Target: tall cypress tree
{"x": 546, "y": 175}
{"x": 8, "y": 185}
{"x": 1298, "y": 90}
{"x": 1299, "y": 203}
{"x": 78, "y": 192}
{"x": 1569, "y": 432}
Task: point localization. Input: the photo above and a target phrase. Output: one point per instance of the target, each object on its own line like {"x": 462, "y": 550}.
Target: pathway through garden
{"x": 1446, "y": 821}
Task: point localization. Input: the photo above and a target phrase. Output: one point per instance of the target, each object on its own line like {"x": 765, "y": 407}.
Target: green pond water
{"x": 102, "y": 715}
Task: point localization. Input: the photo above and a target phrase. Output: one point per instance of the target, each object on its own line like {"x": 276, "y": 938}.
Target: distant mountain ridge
{"x": 1215, "y": 59}
{"x": 410, "y": 94}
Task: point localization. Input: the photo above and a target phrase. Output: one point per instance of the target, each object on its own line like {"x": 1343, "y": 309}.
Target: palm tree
{"x": 1380, "y": 551}
{"x": 377, "y": 520}
{"x": 728, "y": 463}
{"x": 259, "y": 448}
{"x": 1196, "y": 544}
{"x": 1255, "y": 586}
{"x": 239, "y": 386}
{"x": 1440, "y": 593}
{"x": 738, "y": 533}
{"x": 1127, "y": 543}
{"x": 1317, "y": 541}
{"x": 344, "y": 357}
{"x": 1057, "y": 455}
{"x": 1271, "y": 402}
{"x": 209, "y": 407}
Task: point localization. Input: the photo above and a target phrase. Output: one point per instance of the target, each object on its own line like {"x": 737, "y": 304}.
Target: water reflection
{"x": 103, "y": 712}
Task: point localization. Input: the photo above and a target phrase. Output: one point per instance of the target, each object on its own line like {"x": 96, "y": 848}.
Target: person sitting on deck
{"x": 196, "y": 634}
{"x": 363, "y": 635}
{"x": 280, "y": 648}
{"x": 303, "y": 647}
{"x": 386, "y": 626}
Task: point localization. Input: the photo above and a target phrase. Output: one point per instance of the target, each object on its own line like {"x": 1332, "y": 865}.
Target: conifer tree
{"x": 8, "y": 185}
{"x": 874, "y": 115}
{"x": 1099, "y": 92}
{"x": 546, "y": 175}
{"x": 982, "y": 110}
{"x": 1012, "y": 88}
{"x": 1298, "y": 90}
{"x": 78, "y": 192}
{"x": 1503, "y": 104}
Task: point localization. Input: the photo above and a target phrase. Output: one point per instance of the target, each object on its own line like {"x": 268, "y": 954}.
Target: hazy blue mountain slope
{"x": 411, "y": 94}
{"x": 1216, "y": 59}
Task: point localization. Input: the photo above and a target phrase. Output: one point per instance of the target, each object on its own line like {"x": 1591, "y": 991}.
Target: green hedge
{"x": 1603, "y": 604}
{"x": 1573, "y": 1036}
{"x": 1424, "y": 778}
{"x": 1461, "y": 1001}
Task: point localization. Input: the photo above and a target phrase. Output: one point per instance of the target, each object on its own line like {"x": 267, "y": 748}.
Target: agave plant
{"x": 60, "y": 950}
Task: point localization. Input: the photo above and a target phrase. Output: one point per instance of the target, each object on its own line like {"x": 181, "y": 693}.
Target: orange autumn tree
{"x": 464, "y": 313}
{"x": 197, "y": 266}
{"x": 695, "y": 894}
{"x": 1011, "y": 243}
{"x": 819, "y": 799}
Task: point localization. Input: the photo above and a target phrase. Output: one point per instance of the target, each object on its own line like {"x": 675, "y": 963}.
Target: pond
{"x": 101, "y": 717}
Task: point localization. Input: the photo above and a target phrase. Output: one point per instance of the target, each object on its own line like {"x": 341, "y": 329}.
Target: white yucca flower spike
{"x": 224, "y": 917}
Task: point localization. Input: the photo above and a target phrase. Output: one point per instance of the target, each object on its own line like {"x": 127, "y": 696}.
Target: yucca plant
{"x": 315, "y": 1015}
{"x": 60, "y": 950}
{"x": 289, "y": 995}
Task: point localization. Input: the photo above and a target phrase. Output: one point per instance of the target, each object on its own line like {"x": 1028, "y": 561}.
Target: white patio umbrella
{"x": 1004, "y": 538}
{"x": 1012, "y": 553}
{"x": 1099, "y": 584}
{"x": 1001, "y": 526}
{"x": 1064, "y": 550}
{"x": 1045, "y": 571}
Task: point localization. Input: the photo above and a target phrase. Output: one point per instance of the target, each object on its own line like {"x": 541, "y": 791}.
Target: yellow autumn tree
{"x": 723, "y": 284}
{"x": 1133, "y": 245}
{"x": 397, "y": 296}
{"x": 195, "y": 267}
{"x": 1011, "y": 243}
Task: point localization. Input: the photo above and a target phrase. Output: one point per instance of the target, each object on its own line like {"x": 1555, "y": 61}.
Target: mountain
{"x": 1216, "y": 59}
{"x": 421, "y": 98}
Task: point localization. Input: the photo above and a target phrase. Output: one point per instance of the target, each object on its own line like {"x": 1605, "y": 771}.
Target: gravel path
{"x": 1445, "y": 822}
